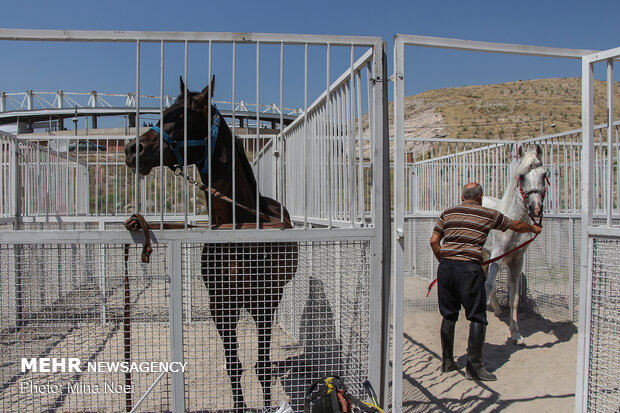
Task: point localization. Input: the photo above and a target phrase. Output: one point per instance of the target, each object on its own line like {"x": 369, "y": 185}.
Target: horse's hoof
{"x": 519, "y": 341}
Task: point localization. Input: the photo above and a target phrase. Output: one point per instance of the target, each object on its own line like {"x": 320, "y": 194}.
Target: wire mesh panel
{"x": 263, "y": 320}
{"x": 603, "y": 393}
{"x": 78, "y": 334}
{"x": 551, "y": 269}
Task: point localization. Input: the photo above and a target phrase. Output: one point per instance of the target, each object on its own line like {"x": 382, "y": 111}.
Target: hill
{"x": 512, "y": 110}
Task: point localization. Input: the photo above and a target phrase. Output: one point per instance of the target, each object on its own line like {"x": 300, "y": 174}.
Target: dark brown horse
{"x": 238, "y": 275}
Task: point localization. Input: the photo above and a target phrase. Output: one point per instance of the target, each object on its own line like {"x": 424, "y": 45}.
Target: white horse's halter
{"x": 541, "y": 192}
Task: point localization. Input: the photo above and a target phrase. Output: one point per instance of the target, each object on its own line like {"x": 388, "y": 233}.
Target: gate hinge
{"x": 378, "y": 79}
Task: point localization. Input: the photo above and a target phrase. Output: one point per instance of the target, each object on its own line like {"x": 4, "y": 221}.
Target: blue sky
{"x": 83, "y": 67}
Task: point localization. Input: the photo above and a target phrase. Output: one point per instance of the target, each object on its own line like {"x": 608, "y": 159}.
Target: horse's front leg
{"x": 514, "y": 276}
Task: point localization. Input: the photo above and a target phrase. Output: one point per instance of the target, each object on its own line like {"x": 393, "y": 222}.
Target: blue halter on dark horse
{"x": 241, "y": 275}
{"x": 203, "y": 164}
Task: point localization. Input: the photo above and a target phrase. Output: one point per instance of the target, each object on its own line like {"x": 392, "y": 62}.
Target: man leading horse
{"x": 464, "y": 229}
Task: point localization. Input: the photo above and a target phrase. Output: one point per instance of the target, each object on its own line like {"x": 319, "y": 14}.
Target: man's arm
{"x": 522, "y": 227}
{"x": 436, "y": 245}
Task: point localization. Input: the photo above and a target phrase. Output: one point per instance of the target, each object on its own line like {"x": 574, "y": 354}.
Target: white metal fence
{"x": 66, "y": 293}
{"x": 40, "y": 182}
{"x": 8, "y": 177}
{"x": 436, "y": 170}
{"x": 328, "y": 154}
{"x": 598, "y": 359}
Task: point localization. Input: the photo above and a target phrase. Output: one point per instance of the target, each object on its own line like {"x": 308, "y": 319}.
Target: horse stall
{"x": 235, "y": 309}
{"x": 428, "y": 177}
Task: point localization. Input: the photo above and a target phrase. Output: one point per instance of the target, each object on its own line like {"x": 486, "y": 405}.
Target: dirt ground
{"x": 537, "y": 377}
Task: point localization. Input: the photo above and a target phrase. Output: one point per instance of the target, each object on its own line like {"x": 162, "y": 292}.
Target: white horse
{"x": 523, "y": 201}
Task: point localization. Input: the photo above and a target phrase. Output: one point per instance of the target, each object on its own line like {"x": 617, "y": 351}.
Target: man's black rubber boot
{"x": 475, "y": 370}
{"x": 447, "y": 346}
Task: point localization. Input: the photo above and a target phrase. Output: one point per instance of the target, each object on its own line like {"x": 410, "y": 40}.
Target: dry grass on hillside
{"x": 511, "y": 110}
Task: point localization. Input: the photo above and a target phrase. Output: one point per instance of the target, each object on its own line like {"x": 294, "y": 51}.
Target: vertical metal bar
{"x": 162, "y": 185}
{"x": 257, "y": 146}
{"x": 571, "y": 267}
{"x": 351, "y": 154}
{"x": 102, "y": 276}
{"x": 371, "y": 111}
{"x": 610, "y": 139}
{"x": 176, "y": 324}
{"x": 17, "y": 184}
{"x": 185, "y": 182}
{"x": 617, "y": 150}
{"x": 358, "y": 157}
{"x": 587, "y": 175}
{"x": 282, "y": 149}
{"x": 306, "y": 137}
{"x": 209, "y": 137}
{"x": 107, "y": 176}
{"x": 399, "y": 225}
{"x": 328, "y": 139}
{"x": 233, "y": 150}
{"x": 137, "y": 177}
{"x": 565, "y": 198}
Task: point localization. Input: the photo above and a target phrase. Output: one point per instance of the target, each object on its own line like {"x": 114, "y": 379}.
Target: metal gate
{"x": 598, "y": 362}
{"x": 430, "y": 179}
{"x": 71, "y": 284}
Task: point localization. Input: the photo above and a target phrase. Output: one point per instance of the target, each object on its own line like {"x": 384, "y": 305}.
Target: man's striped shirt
{"x": 464, "y": 229}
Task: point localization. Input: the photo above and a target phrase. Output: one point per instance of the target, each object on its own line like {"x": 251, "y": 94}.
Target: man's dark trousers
{"x": 461, "y": 282}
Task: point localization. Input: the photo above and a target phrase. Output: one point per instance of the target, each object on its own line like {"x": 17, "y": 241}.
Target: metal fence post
{"x": 587, "y": 203}
{"x": 382, "y": 218}
{"x": 399, "y": 226}
{"x": 176, "y": 324}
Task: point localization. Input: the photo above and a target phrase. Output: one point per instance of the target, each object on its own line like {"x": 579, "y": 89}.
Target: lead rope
{"x": 179, "y": 172}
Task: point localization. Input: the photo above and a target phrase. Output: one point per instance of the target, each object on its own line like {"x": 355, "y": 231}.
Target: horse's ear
{"x": 203, "y": 97}
{"x": 520, "y": 151}
{"x": 539, "y": 151}
{"x": 181, "y": 85}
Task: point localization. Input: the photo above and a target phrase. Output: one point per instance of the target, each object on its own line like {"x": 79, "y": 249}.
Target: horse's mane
{"x": 524, "y": 165}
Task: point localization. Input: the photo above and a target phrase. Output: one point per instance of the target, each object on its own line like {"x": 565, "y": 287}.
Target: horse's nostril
{"x": 131, "y": 149}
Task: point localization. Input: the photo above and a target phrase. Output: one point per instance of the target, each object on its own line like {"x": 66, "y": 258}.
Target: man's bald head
{"x": 472, "y": 190}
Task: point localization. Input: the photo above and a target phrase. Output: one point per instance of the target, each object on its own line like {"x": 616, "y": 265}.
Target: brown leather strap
{"x": 223, "y": 197}
{"x": 136, "y": 223}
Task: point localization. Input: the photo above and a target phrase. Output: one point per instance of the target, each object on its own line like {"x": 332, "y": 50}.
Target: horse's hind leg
{"x": 226, "y": 319}
{"x": 264, "y": 322}
{"x": 489, "y": 286}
